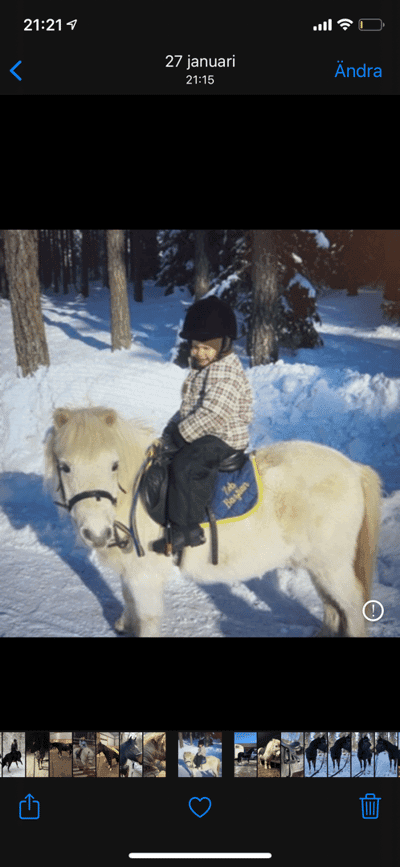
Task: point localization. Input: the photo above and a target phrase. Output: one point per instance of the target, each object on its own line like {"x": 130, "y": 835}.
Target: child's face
{"x": 206, "y": 352}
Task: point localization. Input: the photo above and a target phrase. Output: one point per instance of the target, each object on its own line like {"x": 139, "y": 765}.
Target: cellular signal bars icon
{"x": 326, "y": 25}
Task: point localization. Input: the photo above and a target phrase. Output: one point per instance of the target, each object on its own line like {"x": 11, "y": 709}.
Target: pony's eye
{"x": 64, "y": 468}
{"x": 115, "y": 466}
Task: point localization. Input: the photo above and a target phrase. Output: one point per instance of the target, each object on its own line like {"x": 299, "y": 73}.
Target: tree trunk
{"x": 137, "y": 265}
{"x": 201, "y": 265}
{"x": 262, "y": 344}
{"x": 22, "y": 267}
{"x": 120, "y": 318}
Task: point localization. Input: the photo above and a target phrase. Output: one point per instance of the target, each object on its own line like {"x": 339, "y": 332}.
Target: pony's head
{"x": 92, "y": 456}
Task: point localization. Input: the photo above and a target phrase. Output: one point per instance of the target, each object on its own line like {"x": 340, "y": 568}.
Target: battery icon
{"x": 370, "y": 24}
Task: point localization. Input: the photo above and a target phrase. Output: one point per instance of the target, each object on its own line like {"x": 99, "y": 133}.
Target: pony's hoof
{"x": 121, "y": 625}
{"x": 323, "y": 632}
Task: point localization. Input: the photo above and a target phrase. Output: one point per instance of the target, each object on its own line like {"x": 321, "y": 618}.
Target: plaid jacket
{"x": 217, "y": 400}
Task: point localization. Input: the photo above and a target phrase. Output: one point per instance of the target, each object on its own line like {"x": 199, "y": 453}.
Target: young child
{"x": 212, "y": 423}
{"x": 201, "y": 755}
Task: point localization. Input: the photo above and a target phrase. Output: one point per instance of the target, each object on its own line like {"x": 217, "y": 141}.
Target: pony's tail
{"x": 368, "y": 537}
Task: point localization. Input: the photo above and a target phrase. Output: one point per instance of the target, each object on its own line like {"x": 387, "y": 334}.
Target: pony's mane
{"x": 83, "y": 433}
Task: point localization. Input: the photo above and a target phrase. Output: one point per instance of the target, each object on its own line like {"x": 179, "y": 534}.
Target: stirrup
{"x": 183, "y": 537}
{"x": 196, "y": 536}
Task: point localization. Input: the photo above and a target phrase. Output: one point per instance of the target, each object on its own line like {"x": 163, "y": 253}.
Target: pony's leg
{"x": 143, "y": 595}
{"x": 333, "y": 622}
{"x": 343, "y": 598}
{"x": 129, "y": 620}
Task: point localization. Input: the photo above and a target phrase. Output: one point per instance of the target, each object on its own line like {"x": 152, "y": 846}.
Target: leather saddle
{"x": 153, "y": 487}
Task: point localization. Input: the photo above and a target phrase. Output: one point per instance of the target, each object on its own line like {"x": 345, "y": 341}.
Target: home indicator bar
{"x": 200, "y": 855}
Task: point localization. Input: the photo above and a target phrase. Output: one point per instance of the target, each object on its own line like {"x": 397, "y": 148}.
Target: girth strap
{"x": 214, "y": 535}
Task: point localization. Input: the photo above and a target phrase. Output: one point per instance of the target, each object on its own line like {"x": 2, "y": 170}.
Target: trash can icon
{"x": 370, "y": 806}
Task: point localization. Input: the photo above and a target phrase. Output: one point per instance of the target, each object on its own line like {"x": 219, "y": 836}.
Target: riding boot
{"x": 183, "y": 536}
{"x": 178, "y": 538}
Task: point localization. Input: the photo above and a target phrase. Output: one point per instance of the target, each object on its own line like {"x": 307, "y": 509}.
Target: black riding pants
{"x": 192, "y": 476}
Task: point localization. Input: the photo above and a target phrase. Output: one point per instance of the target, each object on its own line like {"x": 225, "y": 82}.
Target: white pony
{"x": 84, "y": 758}
{"x": 320, "y": 511}
{"x": 212, "y": 764}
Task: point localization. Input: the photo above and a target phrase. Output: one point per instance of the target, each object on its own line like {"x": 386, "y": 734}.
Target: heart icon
{"x": 198, "y": 808}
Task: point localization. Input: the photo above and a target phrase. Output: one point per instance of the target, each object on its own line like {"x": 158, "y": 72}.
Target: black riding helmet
{"x": 209, "y": 318}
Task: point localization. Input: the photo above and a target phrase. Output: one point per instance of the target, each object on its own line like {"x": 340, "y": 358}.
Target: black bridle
{"x": 124, "y": 544}
{"x": 69, "y": 504}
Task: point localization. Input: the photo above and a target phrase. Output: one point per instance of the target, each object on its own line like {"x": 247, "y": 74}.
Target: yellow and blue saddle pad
{"x": 237, "y": 494}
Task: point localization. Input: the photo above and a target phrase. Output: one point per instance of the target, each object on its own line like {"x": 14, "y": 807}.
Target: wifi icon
{"x": 345, "y": 23}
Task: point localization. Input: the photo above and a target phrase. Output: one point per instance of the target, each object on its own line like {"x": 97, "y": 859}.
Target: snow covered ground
{"x": 350, "y": 766}
{"x": 345, "y": 395}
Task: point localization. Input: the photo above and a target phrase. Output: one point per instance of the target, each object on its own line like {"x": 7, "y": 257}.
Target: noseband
{"x": 69, "y": 504}
{"x": 124, "y": 544}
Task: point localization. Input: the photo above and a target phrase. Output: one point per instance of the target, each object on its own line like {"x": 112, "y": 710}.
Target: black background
{"x": 122, "y": 48}
{"x": 312, "y": 822}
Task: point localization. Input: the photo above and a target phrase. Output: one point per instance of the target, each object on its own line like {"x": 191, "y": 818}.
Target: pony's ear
{"x": 110, "y": 417}
{"x": 61, "y": 417}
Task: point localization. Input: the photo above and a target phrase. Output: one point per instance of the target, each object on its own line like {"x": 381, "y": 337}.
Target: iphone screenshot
{"x": 337, "y": 47}
{"x": 283, "y": 798}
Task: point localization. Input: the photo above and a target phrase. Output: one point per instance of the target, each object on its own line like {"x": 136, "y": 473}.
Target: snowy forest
{"x": 270, "y": 277}
{"x": 92, "y": 318}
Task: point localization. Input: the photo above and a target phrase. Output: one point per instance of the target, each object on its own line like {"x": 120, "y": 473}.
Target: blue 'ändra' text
{"x": 361, "y": 71}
